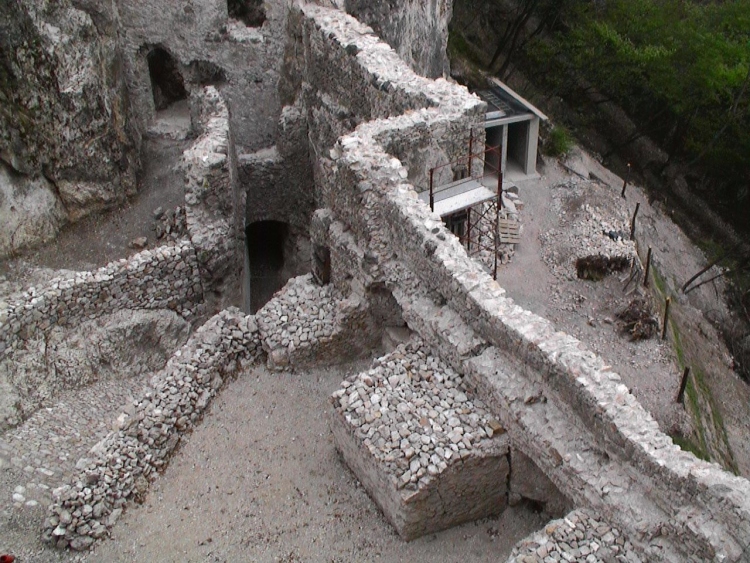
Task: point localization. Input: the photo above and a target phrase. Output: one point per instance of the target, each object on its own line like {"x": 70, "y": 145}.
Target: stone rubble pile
{"x": 581, "y": 537}
{"x": 171, "y": 224}
{"x": 588, "y": 230}
{"x": 411, "y": 413}
{"x": 429, "y": 456}
{"x": 307, "y": 324}
{"x": 148, "y": 432}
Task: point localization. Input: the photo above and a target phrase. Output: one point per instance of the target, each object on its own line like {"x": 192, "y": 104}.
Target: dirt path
{"x": 259, "y": 480}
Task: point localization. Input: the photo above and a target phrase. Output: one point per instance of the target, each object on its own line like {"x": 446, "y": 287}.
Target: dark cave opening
{"x": 267, "y": 244}
{"x": 250, "y": 12}
{"x": 167, "y": 83}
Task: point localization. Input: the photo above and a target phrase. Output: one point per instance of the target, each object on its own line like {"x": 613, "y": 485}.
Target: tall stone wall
{"x": 563, "y": 407}
{"x": 416, "y": 29}
{"x": 67, "y": 147}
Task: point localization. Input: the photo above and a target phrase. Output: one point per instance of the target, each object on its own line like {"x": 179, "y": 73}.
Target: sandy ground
{"x": 260, "y": 480}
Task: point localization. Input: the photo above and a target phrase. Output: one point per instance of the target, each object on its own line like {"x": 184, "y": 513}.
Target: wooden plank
{"x": 509, "y": 231}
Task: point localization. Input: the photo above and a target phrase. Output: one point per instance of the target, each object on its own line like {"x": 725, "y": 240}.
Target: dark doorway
{"x": 250, "y": 12}
{"x": 456, "y": 224}
{"x": 166, "y": 81}
{"x": 267, "y": 243}
{"x": 494, "y": 146}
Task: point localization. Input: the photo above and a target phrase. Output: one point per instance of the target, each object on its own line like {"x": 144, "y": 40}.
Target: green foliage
{"x": 680, "y": 68}
{"x": 559, "y": 141}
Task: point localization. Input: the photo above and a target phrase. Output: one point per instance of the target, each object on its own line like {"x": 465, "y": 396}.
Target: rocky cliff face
{"x": 66, "y": 147}
{"x": 416, "y": 29}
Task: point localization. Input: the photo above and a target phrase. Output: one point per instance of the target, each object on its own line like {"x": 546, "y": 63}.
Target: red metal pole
{"x": 468, "y": 230}
{"x": 471, "y": 149}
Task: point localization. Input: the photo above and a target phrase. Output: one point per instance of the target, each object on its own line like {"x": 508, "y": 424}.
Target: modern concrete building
{"x": 512, "y": 124}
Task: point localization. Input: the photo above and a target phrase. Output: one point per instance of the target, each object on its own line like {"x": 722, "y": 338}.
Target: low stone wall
{"x": 430, "y": 456}
{"x": 122, "y": 464}
{"x": 579, "y": 536}
{"x": 305, "y": 324}
{"x": 163, "y": 278}
{"x": 706, "y": 510}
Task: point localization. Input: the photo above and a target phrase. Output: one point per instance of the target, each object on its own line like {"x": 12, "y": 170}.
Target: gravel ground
{"x": 260, "y": 480}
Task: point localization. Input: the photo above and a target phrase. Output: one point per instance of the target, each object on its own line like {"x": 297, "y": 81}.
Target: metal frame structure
{"x": 482, "y": 217}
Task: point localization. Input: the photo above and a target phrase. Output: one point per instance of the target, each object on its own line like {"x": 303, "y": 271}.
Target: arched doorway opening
{"x": 167, "y": 83}
{"x": 267, "y": 245}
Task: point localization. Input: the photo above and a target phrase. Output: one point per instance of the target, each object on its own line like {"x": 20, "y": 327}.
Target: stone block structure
{"x": 429, "y": 456}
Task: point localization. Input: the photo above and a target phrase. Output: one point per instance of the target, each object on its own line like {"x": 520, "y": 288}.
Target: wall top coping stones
{"x": 388, "y": 70}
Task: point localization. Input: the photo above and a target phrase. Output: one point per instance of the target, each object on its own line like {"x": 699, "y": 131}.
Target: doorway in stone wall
{"x": 167, "y": 84}
{"x": 267, "y": 245}
{"x": 169, "y": 93}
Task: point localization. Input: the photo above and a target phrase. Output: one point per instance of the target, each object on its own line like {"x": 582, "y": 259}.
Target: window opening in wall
{"x": 250, "y": 12}
{"x": 166, "y": 81}
{"x": 266, "y": 242}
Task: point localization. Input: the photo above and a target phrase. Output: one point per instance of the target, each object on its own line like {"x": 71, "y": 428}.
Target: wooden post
{"x": 625, "y": 182}
{"x": 432, "y": 195}
{"x": 683, "y": 384}
{"x": 648, "y": 267}
{"x": 632, "y": 223}
{"x": 666, "y": 318}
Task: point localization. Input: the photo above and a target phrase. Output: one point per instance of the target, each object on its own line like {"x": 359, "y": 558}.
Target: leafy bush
{"x": 559, "y": 141}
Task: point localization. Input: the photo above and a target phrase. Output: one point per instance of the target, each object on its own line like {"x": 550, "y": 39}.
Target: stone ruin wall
{"x": 201, "y": 32}
{"x": 380, "y": 236}
{"x": 173, "y": 277}
{"x": 403, "y": 246}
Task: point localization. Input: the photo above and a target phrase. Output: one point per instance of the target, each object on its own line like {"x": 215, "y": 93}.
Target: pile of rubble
{"x": 299, "y": 316}
{"x": 586, "y": 231}
{"x": 170, "y": 225}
